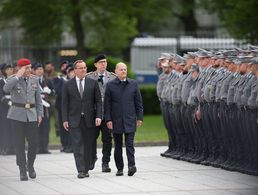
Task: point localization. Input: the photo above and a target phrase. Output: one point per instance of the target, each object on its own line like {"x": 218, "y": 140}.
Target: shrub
{"x": 150, "y": 99}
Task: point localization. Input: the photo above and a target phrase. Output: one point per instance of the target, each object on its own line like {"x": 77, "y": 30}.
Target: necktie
{"x": 101, "y": 79}
{"x": 81, "y": 88}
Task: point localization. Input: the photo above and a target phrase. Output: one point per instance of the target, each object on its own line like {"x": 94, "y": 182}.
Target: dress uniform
{"x": 103, "y": 77}
{"x": 25, "y": 114}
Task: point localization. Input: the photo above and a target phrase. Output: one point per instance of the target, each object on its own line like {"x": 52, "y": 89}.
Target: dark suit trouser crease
{"x": 118, "y": 153}
{"x": 22, "y": 130}
{"x": 82, "y": 142}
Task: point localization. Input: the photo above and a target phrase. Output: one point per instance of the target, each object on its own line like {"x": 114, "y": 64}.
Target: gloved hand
{"x": 46, "y": 90}
{"x": 9, "y": 103}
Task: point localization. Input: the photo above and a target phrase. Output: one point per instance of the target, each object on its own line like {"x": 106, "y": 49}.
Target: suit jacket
{"x": 23, "y": 93}
{"x": 123, "y": 105}
{"x": 73, "y": 105}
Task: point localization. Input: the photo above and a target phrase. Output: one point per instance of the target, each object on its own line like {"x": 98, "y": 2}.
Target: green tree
{"x": 99, "y": 25}
{"x": 238, "y": 17}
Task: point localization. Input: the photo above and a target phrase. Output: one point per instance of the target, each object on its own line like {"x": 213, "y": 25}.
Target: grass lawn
{"x": 152, "y": 130}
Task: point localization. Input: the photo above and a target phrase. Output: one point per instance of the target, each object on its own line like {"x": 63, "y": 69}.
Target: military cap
{"x": 2, "y": 66}
{"x": 23, "y": 62}
{"x": 202, "y": 53}
{"x": 254, "y": 61}
{"x": 194, "y": 67}
{"x": 99, "y": 57}
{"x": 230, "y": 53}
{"x": 69, "y": 68}
{"x": 36, "y": 65}
{"x": 63, "y": 62}
{"x": 165, "y": 56}
{"x": 244, "y": 59}
{"x": 253, "y": 47}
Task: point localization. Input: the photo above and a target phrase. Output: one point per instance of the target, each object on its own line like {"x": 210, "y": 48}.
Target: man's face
{"x": 9, "y": 71}
{"x": 71, "y": 74}
{"x": 101, "y": 65}
{"x": 27, "y": 72}
{"x": 121, "y": 71}
{"x": 49, "y": 68}
{"x": 39, "y": 71}
{"x": 80, "y": 69}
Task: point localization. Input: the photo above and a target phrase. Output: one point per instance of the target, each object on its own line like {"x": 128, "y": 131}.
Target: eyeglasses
{"x": 81, "y": 68}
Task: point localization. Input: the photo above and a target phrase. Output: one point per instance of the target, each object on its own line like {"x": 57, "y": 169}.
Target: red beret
{"x": 23, "y": 62}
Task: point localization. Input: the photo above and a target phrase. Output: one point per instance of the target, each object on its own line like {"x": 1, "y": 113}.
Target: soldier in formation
{"x": 209, "y": 104}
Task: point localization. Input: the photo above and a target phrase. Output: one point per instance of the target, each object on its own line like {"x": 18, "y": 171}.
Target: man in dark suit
{"x": 123, "y": 112}
{"x": 81, "y": 113}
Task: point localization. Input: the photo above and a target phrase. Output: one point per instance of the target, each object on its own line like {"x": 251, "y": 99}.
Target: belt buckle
{"x": 27, "y": 106}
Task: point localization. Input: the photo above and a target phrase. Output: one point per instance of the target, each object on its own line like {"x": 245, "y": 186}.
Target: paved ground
{"x": 56, "y": 174}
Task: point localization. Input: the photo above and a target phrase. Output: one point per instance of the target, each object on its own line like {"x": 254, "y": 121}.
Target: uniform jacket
{"x": 123, "y": 105}
{"x": 23, "y": 92}
{"x": 108, "y": 76}
{"x": 73, "y": 105}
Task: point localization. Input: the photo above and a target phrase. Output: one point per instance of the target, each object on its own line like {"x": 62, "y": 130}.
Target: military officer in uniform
{"x": 26, "y": 114}
{"x": 102, "y": 76}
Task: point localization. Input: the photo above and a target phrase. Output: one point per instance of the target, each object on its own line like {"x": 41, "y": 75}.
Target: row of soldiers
{"x": 209, "y": 103}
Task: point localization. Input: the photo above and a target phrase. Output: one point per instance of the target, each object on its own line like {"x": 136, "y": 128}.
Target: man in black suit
{"x": 123, "y": 112}
{"x": 81, "y": 113}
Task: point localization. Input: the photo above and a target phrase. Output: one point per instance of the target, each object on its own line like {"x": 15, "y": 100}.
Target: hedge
{"x": 150, "y": 100}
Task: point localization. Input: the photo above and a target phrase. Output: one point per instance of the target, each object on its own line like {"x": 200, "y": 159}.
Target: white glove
{"x": 46, "y": 90}
{"x": 46, "y": 104}
{"x": 9, "y": 103}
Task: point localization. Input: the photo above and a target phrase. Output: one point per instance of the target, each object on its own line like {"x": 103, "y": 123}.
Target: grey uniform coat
{"x": 24, "y": 92}
{"x": 108, "y": 76}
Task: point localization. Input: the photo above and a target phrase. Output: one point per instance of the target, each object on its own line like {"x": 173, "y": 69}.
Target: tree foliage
{"x": 238, "y": 17}
{"x": 96, "y": 24}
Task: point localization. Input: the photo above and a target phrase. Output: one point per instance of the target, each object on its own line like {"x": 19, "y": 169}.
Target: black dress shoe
{"x": 23, "y": 174}
{"x": 132, "y": 171}
{"x": 87, "y": 174}
{"x": 106, "y": 168}
{"x": 68, "y": 150}
{"x": 81, "y": 175}
{"x": 119, "y": 173}
{"x": 32, "y": 172}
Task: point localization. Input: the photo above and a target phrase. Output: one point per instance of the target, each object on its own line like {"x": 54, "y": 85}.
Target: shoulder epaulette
{"x": 114, "y": 74}
{"x": 88, "y": 73}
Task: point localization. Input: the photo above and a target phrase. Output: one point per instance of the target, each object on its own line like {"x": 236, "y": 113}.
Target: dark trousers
{"x": 82, "y": 142}
{"x": 65, "y": 137}
{"x": 106, "y": 139}
{"x": 44, "y": 129}
{"x": 22, "y": 130}
{"x": 118, "y": 153}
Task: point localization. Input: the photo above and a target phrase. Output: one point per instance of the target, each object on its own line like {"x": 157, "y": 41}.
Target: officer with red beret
{"x": 25, "y": 114}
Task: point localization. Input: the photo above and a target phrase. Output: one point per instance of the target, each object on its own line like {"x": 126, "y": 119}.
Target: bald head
{"x": 121, "y": 70}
